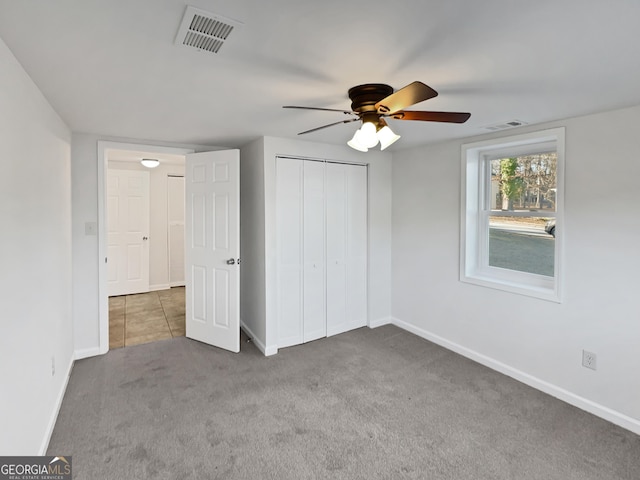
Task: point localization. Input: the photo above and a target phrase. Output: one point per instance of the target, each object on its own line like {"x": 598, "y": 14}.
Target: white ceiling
{"x": 111, "y": 66}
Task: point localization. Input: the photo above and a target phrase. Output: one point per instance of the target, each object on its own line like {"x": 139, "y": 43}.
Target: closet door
{"x": 346, "y": 247}
{"x": 321, "y": 211}
{"x": 289, "y": 223}
{"x": 357, "y": 246}
{"x": 313, "y": 239}
{"x": 336, "y": 248}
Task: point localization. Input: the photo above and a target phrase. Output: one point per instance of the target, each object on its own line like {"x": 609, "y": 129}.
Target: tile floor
{"x": 146, "y": 317}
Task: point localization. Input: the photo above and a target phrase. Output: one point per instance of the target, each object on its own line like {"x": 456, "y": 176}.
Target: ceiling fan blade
{"x": 450, "y": 117}
{"x": 330, "y": 125}
{"x": 318, "y": 108}
{"x": 413, "y": 93}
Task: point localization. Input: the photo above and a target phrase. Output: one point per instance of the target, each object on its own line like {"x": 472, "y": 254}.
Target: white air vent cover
{"x": 204, "y": 31}
{"x": 505, "y": 125}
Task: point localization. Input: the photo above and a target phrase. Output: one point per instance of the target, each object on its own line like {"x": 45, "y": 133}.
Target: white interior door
{"x": 175, "y": 221}
{"x": 212, "y": 277}
{"x": 128, "y": 232}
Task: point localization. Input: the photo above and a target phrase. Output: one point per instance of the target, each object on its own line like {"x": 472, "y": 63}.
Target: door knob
{"x": 231, "y": 261}
{"x": 145, "y": 238}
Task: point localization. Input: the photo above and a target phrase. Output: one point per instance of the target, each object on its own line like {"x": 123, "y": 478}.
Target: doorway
{"x": 137, "y": 313}
{"x": 157, "y": 311}
{"x": 212, "y": 250}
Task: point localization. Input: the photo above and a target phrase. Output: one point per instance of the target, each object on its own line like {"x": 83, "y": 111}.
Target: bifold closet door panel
{"x": 289, "y": 230}
{"x": 336, "y": 206}
{"x": 346, "y": 247}
{"x": 314, "y": 323}
{"x": 357, "y": 246}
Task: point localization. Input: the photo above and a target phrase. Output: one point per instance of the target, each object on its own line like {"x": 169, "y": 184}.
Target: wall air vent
{"x": 505, "y": 125}
{"x": 205, "y": 31}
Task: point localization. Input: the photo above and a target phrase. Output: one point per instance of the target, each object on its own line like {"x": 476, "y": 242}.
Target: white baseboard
{"x": 582, "y": 403}
{"x": 270, "y": 350}
{"x": 87, "y": 352}
{"x": 176, "y": 284}
{"x": 162, "y": 286}
{"x": 56, "y": 411}
{"x": 378, "y": 322}
{"x": 266, "y": 351}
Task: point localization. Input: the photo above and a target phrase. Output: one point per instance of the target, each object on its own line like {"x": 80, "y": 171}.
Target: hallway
{"x": 146, "y": 317}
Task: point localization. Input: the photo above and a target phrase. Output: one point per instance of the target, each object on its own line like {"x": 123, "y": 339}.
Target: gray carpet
{"x": 368, "y": 404}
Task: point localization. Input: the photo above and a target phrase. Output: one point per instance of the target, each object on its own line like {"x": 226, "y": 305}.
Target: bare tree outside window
{"x": 524, "y": 183}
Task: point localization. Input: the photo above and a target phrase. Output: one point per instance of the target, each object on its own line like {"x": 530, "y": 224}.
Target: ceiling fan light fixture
{"x": 371, "y": 102}
{"x": 387, "y": 137}
{"x": 355, "y": 144}
{"x": 150, "y": 162}
{"x": 367, "y": 135}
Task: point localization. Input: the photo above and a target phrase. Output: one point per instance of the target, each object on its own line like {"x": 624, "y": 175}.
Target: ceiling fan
{"x": 373, "y": 102}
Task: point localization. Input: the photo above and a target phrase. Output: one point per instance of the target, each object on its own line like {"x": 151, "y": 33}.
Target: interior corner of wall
{"x": 379, "y": 322}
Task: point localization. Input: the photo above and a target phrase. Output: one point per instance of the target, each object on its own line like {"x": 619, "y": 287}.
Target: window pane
{"x": 526, "y": 183}
{"x": 526, "y": 244}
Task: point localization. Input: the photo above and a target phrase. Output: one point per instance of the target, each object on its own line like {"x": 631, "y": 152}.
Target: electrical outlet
{"x": 53, "y": 366}
{"x": 589, "y": 360}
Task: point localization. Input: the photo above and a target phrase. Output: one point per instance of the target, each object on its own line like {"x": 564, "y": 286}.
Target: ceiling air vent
{"x": 204, "y": 31}
{"x": 505, "y": 125}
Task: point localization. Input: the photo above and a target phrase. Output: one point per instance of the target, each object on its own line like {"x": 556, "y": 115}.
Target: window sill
{"x": 549, "y": 293}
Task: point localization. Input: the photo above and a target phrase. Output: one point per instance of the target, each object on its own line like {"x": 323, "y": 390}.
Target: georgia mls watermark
{"x": 35, "y": 468}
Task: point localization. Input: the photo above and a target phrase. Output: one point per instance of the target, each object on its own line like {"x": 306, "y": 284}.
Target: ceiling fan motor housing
{"x": 364, "y": 97}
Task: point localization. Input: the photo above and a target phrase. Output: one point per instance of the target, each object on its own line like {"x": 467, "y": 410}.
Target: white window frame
{"x": 474, "y": 225}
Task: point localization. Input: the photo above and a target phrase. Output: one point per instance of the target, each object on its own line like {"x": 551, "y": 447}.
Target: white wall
{"x": 252, "y": 276}
{"x": 84, "y": 174}
{"x": 536, "y": 341}
{"x": 35, "y": 259}
{"x": 379, "y": 225}
{"x": 158, "y": 222}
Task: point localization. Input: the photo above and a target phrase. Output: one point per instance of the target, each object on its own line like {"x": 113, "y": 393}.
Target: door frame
{"x": 104, "y": 147}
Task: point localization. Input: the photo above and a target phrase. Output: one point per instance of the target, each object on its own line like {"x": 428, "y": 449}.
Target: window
{"x": 512, "y": 202}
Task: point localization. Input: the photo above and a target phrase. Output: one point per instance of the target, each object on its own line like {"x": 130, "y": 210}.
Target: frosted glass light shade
{"x": 386, "y": 137}
{"x": 367, "y": 135}
{"x": 355, "y": 144}
{"x": 150, "y": 162}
